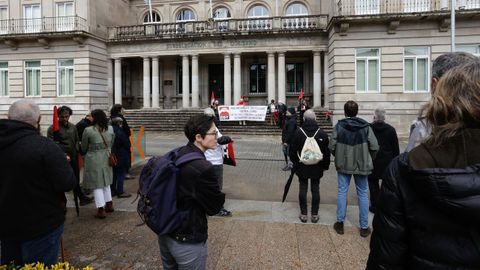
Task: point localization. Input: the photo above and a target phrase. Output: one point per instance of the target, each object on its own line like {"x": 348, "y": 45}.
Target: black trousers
{"x": 374, "y": 187}
{"x": 302, "y": 195}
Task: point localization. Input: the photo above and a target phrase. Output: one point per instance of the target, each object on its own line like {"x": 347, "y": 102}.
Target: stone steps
{"x": 163, "y": 120}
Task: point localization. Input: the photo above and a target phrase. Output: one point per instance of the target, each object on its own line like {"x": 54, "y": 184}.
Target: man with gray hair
{"x": 388, "y": 141}
{"x": 35, "y": 177}
{"x": 420, "y": 128}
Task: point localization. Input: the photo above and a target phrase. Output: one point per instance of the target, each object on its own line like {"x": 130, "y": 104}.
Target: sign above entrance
{"x": 242, "y": 113}
{"x": 212, "y": 44}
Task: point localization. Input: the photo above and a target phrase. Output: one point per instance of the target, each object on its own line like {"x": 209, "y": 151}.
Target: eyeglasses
{"x": 212, "y": 133}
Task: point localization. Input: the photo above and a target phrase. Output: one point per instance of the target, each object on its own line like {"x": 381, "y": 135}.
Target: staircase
{"x": 163, "y": 120}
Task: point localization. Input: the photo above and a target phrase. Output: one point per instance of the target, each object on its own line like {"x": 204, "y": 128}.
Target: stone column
{"x": 185, "y": 82}
{"x": 325, "y": 80}
{"x": 195, "y": 94}
{"x": 227, "y": 79}
{"x": 146, "y": 82}
{"x": 237, "y": 78}
{"x": 110, "y": 82}
{"x": 155, "y": 84}
{"x": 271, "y": 76}
{"x": 281, "y": 78}
{"x": 317, "y": 95}
{"x": 118, "y": 81}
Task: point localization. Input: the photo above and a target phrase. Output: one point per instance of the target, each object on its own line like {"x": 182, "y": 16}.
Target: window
{"x": 294, "y": 77}
{"x": 65, "y": 77}
{"x": 3, "y": 20}
{"x": 257, "y": 78}
{"x": 363, "y": 7}
{"x": 473, "y": 49}
{"x": 32, "y": 78}
{"x": 65, "y": 16}
{"x": 221, "y": 13}
{"x": 156, "y": 17}
{"x": 416, "y": 5}
{"x": 368, "y": 70}
{"x": 257, "y": 11}
{"x": 297, "y": 9}
{"x": 33, "y": 21}
{"x": 185, "y": 15}
{"x": 3, "y": 79}
{"x": 416, "y": 73}
{"x": 470, "y": 4}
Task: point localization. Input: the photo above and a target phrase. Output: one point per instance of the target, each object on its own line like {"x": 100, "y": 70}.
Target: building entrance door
{"x": 215, "y": 82}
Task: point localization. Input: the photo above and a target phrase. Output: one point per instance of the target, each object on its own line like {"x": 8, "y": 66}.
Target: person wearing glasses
{"x": 198, "y": 193}
{"x": 215, "y": 156}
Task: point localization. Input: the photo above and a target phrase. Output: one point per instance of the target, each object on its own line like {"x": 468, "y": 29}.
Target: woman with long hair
{"x": 428, "y": 211}
{"x": 97, "y": 142}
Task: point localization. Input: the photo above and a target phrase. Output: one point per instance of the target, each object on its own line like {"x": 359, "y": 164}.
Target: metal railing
{"x": 378, "y": 7}
{"x": 220, "y": 27}
{"x": 42, "y": 25}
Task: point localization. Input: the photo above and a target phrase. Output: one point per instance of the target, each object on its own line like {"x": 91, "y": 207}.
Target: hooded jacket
{"x": 34, "y": 176}
{"x": 289, "y": 129}
{"x": 388, "y": 142}
{"x": 428, "y": 213}
{"x": 354, "y": 146}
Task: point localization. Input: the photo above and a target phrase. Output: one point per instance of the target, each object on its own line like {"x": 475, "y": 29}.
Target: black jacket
{"x": 429, "y": 218}
{"x": 289, "y": 129}
{"x": 199, "y": 191}
{"x": 34, "y": 176}
{"x": 309, "y": 171}
{"x": 388, "y": 142}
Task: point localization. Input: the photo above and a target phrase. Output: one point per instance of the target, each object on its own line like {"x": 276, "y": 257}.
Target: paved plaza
{"x": 262, "y": 234}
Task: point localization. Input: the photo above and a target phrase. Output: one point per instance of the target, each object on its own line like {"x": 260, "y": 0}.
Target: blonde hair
{"x": 455, "y": 104}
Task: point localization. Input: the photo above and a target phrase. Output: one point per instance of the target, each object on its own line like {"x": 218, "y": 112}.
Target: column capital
{"x": 194, "y": 56}
{"x": 155, "y": 58}
{"x": 272, "y": 53}
{"x": 317, "y": 53}
{"x": 117, "y": 59}
{"x": 227, "y": 54}
{"x": 146, "y": 58}
{"x": 237, "y": 54}
{"x": 282, "y": 53}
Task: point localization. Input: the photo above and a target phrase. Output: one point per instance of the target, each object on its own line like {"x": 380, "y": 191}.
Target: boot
{"x": 109, "y": 207}
{"x": 101, "y": 214}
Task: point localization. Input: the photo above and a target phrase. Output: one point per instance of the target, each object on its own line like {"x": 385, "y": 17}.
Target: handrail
{"x": 220, "y": 27}
{"x": 42, "y": 25}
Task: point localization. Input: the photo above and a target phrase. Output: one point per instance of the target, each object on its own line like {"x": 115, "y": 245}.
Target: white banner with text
{"x": 242, "y": 113}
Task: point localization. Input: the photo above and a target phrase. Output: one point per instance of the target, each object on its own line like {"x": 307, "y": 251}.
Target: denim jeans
{"x": 182, "y": 256}
{"x": 361, "y": 184}
{"x": 302, "y": 195}
{"x": 43, "y": 249}
{"x": 119, "y": 174}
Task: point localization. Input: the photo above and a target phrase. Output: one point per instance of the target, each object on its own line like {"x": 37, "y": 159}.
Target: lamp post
{"x": 452, "y": 26}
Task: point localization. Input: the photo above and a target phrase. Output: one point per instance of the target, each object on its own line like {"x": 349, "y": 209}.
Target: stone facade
{"x": 264, "y": 50}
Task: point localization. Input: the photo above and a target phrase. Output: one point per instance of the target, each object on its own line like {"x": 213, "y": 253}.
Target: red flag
{"x": 229, "y": 155}
{"x": 56, "y": 127}
{"x": 212, "y": 99}
{"x": 300, "y": 96}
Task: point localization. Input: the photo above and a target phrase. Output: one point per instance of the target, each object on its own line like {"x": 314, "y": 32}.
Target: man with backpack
{"x": 177, "y": 192}
{"x": 310, "y": 155}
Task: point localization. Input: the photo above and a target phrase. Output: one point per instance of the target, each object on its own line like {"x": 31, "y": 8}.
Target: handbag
{"x": 112, "y": 158}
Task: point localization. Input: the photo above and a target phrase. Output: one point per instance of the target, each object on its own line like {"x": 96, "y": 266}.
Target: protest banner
{"x": 242, "y": 113}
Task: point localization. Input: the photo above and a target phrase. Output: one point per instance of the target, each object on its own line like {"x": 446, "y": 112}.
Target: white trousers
{"x": 102, "y": 195}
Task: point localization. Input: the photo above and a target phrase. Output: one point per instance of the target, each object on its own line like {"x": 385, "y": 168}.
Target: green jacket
{"x": 354, "y": 146}
{"x": 97, "y": 172}
{"x": 67, "y": 139}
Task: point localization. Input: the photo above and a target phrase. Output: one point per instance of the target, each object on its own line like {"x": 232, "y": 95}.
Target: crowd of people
{"x": 425, "y": 200}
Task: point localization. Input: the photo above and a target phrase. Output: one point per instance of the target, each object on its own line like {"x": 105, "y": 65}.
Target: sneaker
{"x": 224, "y": 213}
{"x": 338, "y": 227}
{"x": 129, "y": 176}
{"x": 124, "y": 195}
{"x": 315, "y": 218}
{"x": 86, "y": 200}
{"x": 286, "y": 168}
{"x": 303, "y": 218}
{"x": 365, "y": 232}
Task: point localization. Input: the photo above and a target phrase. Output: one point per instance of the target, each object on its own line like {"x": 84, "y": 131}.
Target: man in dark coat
{"x": 198, "y": 192}
{"x": 35, "y": 177}
{"x": 388, "y": 141}
{"x": 121, "y": 149}
{"x": 287, "y": 135}
{"x": 313, "y": 172}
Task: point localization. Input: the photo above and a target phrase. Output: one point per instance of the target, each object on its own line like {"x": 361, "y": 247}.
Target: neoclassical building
{"x": 174, "y": 54}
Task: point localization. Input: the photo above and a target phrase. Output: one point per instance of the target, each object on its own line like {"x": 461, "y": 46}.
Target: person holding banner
{"x": 215, "y": 156}
{"x": 242, "y": 102}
